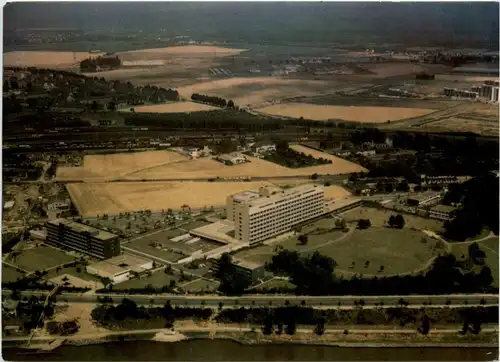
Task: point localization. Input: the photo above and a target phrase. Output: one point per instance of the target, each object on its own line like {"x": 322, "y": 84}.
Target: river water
{"x": 227, "y": 350}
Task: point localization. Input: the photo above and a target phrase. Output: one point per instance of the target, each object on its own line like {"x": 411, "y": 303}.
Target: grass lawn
{"x": 275, "y": 283}
{"x": 399, "y": 251}
{"x": 72, "y": 271}
{"x": 143, "y": 246}
{"x": 41, "y": 258}
{"x": 158, "y": 279}
{"x": 10, "y": 274}
{"x": 490, "y": 248}
{"x": 379, "y": 217}
{"x": 200, "y": 285}
{"x": 194, "y": 225}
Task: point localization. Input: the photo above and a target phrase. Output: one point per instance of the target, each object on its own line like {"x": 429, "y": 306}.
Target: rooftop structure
{"x": 86, "y": 239}
{"x": 424, "y": 198}
{"x": 120, "y": 268}
{"x": 443, "y": 212}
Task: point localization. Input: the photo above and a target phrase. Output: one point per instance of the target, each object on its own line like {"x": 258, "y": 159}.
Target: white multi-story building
{"x": 272, "y": 211}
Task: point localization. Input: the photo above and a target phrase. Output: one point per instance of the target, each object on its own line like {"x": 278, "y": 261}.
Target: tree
{"x": 364, "y": 224}
{"x": 303, "y": 239}
{"x": 267, "y": 328}
{"x": 279, "y": 328}
{"x": 400, "y": 221}
{"x": 112, "y": 106}
{"x": 291, "y": 327}
{"x": 230, "y": 104}
{"x": 314, "y": 176}
{"x": 320, "y": 326}
{"x": 425, "y": 325}
{"x": 340, "y": 223}
{"x": 94, "y": 106}
{"x": 233, "y": 280}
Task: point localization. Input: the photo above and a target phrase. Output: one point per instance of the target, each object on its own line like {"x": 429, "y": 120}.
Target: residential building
{"x": 120, "y": 268}
{"x": 85, "y": 239}
{"x": 424, "y": 199}
{"x": 272, "y": 211}
{"x": 253, "y": 270}
{"x": 443, "y": 212}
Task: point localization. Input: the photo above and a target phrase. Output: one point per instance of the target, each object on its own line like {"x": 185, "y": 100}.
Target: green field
{"x": 10, "y": 274}
{"x": 379, "y": 217}
{"x": 157, "y": 279}
{"x": 200, "y": 285}
{"x": 41, "y": 258}
{"x": 490, "y": 248}
{"x": 82, "y": 274}
{"x": 398, "y": 251}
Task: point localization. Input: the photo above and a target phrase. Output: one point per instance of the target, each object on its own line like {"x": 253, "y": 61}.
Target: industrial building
{"x": 85, "y": 239}
{"x": 443, "y": 212}
{"x": 120, "y": 268}
{"x": 272, "y": 211}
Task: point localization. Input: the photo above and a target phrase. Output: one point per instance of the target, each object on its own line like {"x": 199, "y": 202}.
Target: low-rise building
{"x": 263, "y": 147}
{"x": 82, "y": 238}
{"x": 232, "y": 158}
{"x": 443, "y": 212}
{"x": 120, "y": 268}
{"x": 424, "y": 199}
{"x": 253, "y": 270}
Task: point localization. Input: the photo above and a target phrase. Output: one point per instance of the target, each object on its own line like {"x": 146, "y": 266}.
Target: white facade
{"x": 258, "y": 217}
{"x": 265, "y": 148}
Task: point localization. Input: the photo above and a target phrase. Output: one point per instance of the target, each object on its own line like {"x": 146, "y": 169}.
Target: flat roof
{"x": 246, "y": 264}
{"x": 245, "y": 196}
{"x": 217, "y": 231}
{"x": 444, "y": 208}
{"x": 81, "y": 228}
{"x": 8, "y": 204}
{"x": 120, "y": 264}
{"x": 423, "y": 195}
{"x": 294, "y": 191}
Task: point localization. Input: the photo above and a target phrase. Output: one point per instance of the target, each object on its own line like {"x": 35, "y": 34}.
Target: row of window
{"x": 287, "y": 213}
{"x": 288, "y": 209}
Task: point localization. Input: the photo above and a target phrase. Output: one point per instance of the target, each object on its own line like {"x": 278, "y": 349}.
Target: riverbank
{"x": 354, "y": 338}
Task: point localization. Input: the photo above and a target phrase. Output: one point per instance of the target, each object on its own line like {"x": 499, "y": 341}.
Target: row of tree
{"x": 314, "y": 275}
{"x": 216, "y": 101}
{"x": 480, "y": 199}
{"x": 93, "y": 64}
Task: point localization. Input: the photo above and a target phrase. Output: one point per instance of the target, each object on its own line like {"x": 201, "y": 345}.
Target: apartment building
{"x": 272, "y": 211}
{"x": 85, "y": 239}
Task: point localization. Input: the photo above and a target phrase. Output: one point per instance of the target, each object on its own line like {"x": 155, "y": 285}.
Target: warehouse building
{"x": 85, "y": 239}
{"x": 272, "y": 211}
{"x": 120, "y": 268}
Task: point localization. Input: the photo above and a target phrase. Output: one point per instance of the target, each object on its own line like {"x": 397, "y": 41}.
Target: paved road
{"x": 281, "y": 300}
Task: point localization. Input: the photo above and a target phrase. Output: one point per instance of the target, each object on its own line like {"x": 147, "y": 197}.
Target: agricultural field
{"x": 178, "y": 107}
{"x": 40, "y": 258}
{"x": 118, "y": 164}
{"x": 258, "y": 91}
{"x": 398, "y": 251}
{"x": 379, "y": 217}
{"x": 346, "y": 113}
{"x": 490, "y": 247}
{"x": 166, "y": 164}
{"x": 113, "y": 198}
{"x": 45, "y": 59}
